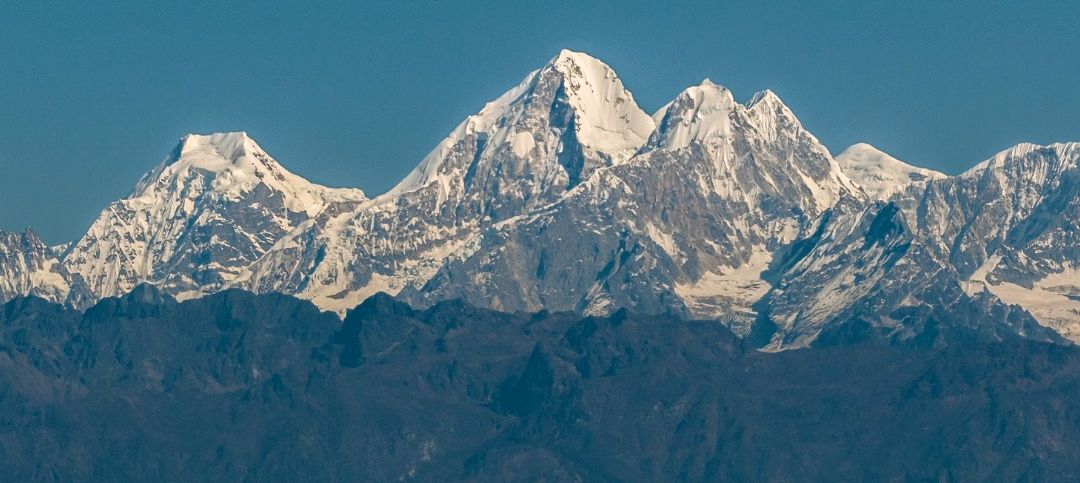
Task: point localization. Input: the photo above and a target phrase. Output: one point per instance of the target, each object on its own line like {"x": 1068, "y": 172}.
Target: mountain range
{"x": 236, "y": 386}
{"x": 562, "y": 195}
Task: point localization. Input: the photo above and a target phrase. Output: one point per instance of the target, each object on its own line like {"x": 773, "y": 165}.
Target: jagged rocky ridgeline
{"x": 562, "y": 194}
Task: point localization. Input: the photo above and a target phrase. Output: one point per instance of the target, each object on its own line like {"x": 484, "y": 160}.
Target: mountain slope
{"x": 212, "y": 207}
{"x": 997, "y": 239}
{"x": 687, "y": 225}
{"x": 520, "y": 152}
{"x": 867, "y": 272}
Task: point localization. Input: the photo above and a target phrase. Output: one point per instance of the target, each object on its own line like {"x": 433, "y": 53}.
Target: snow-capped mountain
{"x": 29, "y": 267}
{"x": 881, "y": 175}
{"x": 562, "y": 194}
{"x": 866, "y": 271}
{"x": 540, "y": 138}
{"x": 1021, "y": 241}
{"x": 687, "y": 225}
{"x": 1001, "y": 235}
{"x": 521, "y": 152}
{"x": 212, "y": 207}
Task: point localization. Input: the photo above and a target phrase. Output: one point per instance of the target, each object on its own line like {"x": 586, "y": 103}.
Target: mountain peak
{"x": 767, "y": 108}
{"x": 574, "y": 112}
{"x": 859, "y": 151}
{"x": 213, "y": 206}
{"x": 573, "y": 64}
{"x": 25, "y": 237}
{"x": 229, "y": 146}
{"x": 1066, "y": 153}
{"x": 764, "y": 97}
{"x": 30, "y": 234}
{"x": 879, "y": 174}
{"x": 567, "y": 55}
{"x": 233, "y": 162}
{"x": 215, "y": 138}
{"x": 605, "y": 115}
{"x": 701, "y": 112}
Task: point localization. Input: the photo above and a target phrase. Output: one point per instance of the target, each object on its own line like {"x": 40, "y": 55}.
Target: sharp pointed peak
{"x": 32, "y": 236}
{"x": 567, "y": 55}
{"x": 768, "y": 109}
{"x": 608, "y": 124}
{"x": 764, "y": 97}
{"x": 573, "y": 64}
{"x": 708, "y": 83}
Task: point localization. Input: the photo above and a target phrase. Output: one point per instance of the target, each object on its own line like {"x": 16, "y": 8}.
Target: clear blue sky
{"x": 93, "y": 95}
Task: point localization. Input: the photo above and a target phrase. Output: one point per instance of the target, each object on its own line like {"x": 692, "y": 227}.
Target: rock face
{"x": 211, "y": 208}
{"x": 563, "y": 195}
{"x": 235, "y": 386}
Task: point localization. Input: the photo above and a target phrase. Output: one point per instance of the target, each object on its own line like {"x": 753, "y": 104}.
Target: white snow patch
{"x": 1054, "y": 301}
{"x": 665, "y": 240}
{"x": 521, "y": 143}
{"x": 728, "y": 289}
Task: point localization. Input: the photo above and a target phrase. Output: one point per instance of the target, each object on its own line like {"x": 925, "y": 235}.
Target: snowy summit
{"x": 879, "y": 174}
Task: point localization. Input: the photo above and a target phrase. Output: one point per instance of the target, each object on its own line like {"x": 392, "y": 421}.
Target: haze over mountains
{"x": 563, "y": 195}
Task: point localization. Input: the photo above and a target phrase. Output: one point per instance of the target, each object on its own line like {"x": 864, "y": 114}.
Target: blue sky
{"x": 93, "y": 94}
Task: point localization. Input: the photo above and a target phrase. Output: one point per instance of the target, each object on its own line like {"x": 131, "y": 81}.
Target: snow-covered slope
{"x": 29, "y": 267}
{"x": 958, "y": 250}
{"x": 879, "y": 174}
{"x": 1021, "y": 240}
{"x": 866, "y": 272}
{"x": 212, "y": 207}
